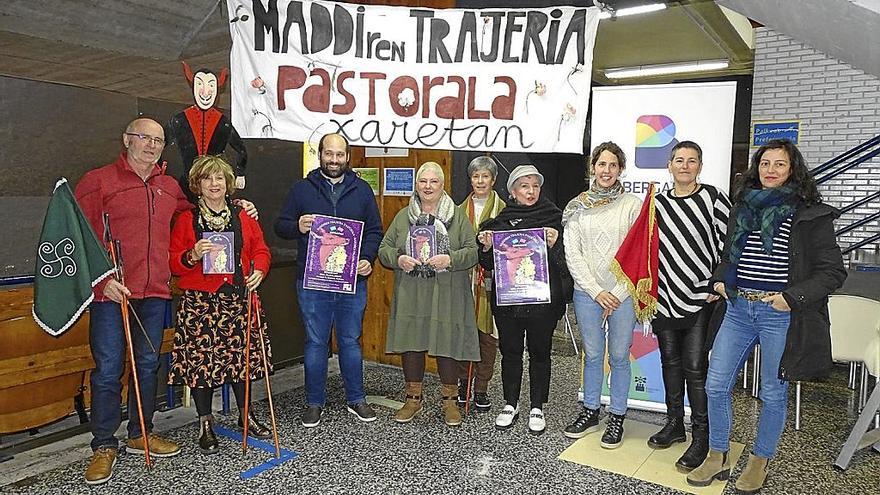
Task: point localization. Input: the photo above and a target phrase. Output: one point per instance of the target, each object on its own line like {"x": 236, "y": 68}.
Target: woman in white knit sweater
{"x": 596, "y": 223}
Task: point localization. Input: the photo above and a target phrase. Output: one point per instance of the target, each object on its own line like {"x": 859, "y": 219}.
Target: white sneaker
{"x": 536, "y": 421}
{"x": 507, "y": 417}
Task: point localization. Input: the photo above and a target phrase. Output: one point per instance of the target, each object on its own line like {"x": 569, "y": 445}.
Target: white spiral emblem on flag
{"x": 56, "y": 258}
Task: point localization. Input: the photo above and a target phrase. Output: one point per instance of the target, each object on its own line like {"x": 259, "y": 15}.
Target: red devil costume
{"x": 202, "y": 129}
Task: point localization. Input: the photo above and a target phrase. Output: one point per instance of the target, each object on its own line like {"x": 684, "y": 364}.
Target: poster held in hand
{"x": 423, "y": 241}
{"x": 521, "y": 271}
{"x": 332, "y": 254}
{"x": 221, "y": 258}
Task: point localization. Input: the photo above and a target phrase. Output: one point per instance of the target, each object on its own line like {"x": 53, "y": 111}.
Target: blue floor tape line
{"x": 286, "y": 455}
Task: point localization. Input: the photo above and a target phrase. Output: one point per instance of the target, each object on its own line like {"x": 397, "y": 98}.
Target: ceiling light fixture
{"x": 607, "y": 13}
{"x": 662, "y": 69}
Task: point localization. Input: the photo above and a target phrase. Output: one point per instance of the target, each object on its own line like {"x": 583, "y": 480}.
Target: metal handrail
{"x": 846, "y": 155}
{"x": 855, "y": 163}
{"x": 842, "y": 163}
{"x": 863, "y": 242}
{"x": 16, "y": 280}
{"x": 858, "y": 223}
{"x": 865, "y": 200}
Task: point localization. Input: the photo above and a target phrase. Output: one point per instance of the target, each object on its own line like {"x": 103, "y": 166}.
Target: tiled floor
{"x": 343, "y": 455}
{"x": 634, "y": 458}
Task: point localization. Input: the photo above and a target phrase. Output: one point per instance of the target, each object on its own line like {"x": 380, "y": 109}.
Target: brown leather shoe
{"x": 159, "y": 447}
{"x": 101, "y": 468}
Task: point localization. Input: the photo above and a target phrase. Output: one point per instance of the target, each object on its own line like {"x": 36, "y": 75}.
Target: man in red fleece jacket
{"x": 140, "y": 201}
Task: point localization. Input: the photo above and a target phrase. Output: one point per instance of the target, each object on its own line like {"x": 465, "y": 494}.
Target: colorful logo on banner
{"x": 647, "y": 379}
{"x": 655, "y": 138}
{"x": 647, "y": 373}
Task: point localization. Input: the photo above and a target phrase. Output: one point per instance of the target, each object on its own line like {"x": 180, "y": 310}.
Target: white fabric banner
{"x": 647, "y": 121}
{"x": 457, "y": 79}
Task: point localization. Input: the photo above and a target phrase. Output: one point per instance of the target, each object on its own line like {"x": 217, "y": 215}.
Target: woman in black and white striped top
{"x": 763, "y": 271}
{"x": 692, "y": 219}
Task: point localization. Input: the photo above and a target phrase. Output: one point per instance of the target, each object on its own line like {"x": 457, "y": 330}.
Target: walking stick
{"x": 108, "y": 238}
{"x": 247, "y": 372}
{"x": 467, "y": 395}
{"x": 258, "y": 311}
{"x": 116, "y": 257}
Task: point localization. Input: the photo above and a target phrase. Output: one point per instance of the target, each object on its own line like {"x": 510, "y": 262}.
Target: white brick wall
{"x": 838, "y": 107}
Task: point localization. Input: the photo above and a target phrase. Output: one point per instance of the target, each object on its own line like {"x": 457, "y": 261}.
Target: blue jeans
{"x": 321, "y": 311}
{"x": 745, "y": 324}
{"x": 109, "y": 351}
{"x": 620, "y": 336}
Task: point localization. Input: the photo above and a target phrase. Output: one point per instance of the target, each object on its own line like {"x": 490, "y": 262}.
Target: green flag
{"x": 70, "y": 262}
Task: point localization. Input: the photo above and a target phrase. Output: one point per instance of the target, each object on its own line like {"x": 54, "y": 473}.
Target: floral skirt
{"x": 209, "y": 341}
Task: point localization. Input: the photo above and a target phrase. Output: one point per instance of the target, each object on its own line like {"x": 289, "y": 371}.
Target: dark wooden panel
{"x": 21, "y": 231}
{"x": 50, "y": 130}
{"x": 273, "y": 166}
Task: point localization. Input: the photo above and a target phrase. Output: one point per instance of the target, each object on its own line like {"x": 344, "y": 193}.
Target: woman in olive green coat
{"x": 430, "y": 293}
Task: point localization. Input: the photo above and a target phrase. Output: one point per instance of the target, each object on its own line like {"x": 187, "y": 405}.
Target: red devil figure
{"x": 202, "y": 129}
{"x": 329, "y": 242}
{"x": 515, "y": 255}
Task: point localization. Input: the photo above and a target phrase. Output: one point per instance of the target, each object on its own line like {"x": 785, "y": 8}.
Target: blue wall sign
{"x": 399, "y": 181}
{"x": 762, "y": 132}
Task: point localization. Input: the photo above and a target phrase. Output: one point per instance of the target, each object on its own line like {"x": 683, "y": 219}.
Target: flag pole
{"x": 116, "y": 258}
{"x": 108, "y": 238}
{"x": 137, "y": 320}
{"x": 467, "y": 394}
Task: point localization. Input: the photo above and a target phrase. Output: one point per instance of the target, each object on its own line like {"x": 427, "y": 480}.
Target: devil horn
{"x": 187, "y": 71}
{"x": 222, "y": 79}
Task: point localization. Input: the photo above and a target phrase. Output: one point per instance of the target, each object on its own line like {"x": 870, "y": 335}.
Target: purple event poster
{"x": 521, "y": 273}
{"x": 332, "y": 255}
{"x": 422, "y": 242}
{"x": 221, "y": 258}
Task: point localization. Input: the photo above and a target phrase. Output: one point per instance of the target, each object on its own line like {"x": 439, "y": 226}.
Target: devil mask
{"x": 205, "y": 85}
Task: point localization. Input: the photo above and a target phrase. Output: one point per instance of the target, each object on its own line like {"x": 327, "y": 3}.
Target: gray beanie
{"x": 522, "y": 171}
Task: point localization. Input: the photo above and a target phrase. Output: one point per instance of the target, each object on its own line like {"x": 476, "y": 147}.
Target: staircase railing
{"x": 843, "y": 163}
{"x": 872, "y": 146}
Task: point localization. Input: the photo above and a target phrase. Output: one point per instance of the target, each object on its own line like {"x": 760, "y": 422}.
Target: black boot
{"x": 207, "y": 439}
{"x": 255, "y": 428}
{"x": 672, "y": 433}
{"x": 696, "y": 452}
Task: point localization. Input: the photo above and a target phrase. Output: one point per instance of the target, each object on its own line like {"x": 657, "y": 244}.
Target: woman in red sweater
{"x": 212, "y": 247}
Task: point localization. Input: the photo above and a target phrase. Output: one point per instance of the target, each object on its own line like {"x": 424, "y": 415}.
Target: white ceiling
{"x": 844, "y": 29}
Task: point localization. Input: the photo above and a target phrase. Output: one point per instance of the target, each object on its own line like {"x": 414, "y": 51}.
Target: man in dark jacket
{"x": 333, "y": 190}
